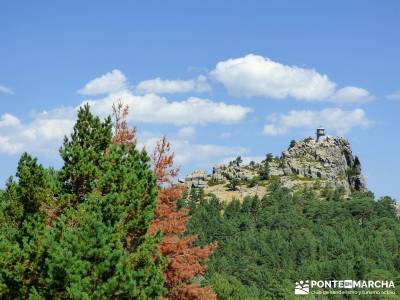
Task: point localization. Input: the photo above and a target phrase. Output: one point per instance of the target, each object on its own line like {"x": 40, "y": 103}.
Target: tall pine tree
{"x": 100, "y": 249}
{"x": 82, "y": 153}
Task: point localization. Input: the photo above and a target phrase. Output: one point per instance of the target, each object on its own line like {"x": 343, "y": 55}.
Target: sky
{"x": 218, "y": 78}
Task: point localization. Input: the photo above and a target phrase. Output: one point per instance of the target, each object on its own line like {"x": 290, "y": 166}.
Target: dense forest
{"x": 113, "y": 224}
{"x": 100, "y": 227}
{"x": 267, "y": 244}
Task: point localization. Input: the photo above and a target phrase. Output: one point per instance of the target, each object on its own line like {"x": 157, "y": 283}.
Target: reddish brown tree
{"x": 123, "y": 135}
{"x": 185, "y": 261}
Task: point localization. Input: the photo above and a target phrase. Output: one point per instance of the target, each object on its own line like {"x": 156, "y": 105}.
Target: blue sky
{"x": 218, "y": 78}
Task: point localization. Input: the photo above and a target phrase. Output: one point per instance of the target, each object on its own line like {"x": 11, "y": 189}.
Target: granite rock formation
{"x": 324, "y": 161}
{"x": 330, "y": 161}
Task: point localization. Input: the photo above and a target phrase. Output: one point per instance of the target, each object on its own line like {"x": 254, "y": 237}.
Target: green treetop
{"x": 82, "y": 153}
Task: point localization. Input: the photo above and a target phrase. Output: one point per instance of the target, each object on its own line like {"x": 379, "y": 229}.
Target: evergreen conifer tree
{"x": 82, "y": 153}
{"x": 33, "y": 189}
{"x": 100, "y": 248}
{"x": 23, "y": 217}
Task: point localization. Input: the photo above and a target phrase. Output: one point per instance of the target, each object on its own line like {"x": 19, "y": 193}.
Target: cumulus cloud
{"x": 6, "y": 90}
{"x": 254, "y": 75}
{"x": 394, "y": 96}
{"x": 152, "y": 108}
{"x": 110, "y": 82}
{"x": 352, "y": 94}
{"x": 257, "y": 76}
{"x": 8, "y": 120}
{"x": 161, "y": 86}
{"x": 335, "y": 119}
{"x": 204, "y": 155}
{"x": 42, "y": 135}
{"x": 9, "y": 147}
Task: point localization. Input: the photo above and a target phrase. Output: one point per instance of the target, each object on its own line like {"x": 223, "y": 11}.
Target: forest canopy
{"x": 267, "y": 244}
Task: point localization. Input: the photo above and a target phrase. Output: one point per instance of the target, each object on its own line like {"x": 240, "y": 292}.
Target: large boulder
{"x": 197, "y": 179}
{"x": 230, "y": 171}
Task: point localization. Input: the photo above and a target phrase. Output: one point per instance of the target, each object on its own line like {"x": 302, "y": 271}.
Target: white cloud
{"x": 257, "y": 76}
{"x": 352, "y": 94}
{"x": 45, "y": 132}
{"x": 42, "y": 135}
{"x": 6, "y": 90}
{"x": 160, "y": 86}
{"x": 152, "y": 108}
{"x": 254, "y": 75}
{"x": 8, "y": 120}
{"x": 8, "y": 147}
{"x": 394, "y": 96}
{"x": 333, "y": 119}
{"x": 108, "y": 83}
{"x": 204, "y": 154}
{"x": 196, "y": 154}
{"x": 186, "y": 132}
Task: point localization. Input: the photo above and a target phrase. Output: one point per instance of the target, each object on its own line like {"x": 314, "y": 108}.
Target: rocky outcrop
{"x": 329, "y": 160}
{"x": 231, "y": 170}
{"x": 197, "y": 179}
{"x": 397, "y": 208}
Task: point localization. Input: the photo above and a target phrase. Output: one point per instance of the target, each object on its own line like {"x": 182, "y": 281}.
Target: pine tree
{"x": 82, "y": 154}
{"x": 24, "y": 219}
{"x": 99, "y": 248}
{"x": 33, "y": 190}
{"x": 184, "y": 260}
{"x": 233, "y": 183}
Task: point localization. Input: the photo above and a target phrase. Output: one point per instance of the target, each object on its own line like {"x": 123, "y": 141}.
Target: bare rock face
{"x": 227, "y": 172}
{"x": 397, "y": 209}
{"x": 329, "y": 160}
{"x": 197, "y": 179}
{"x": 325, "y": 161}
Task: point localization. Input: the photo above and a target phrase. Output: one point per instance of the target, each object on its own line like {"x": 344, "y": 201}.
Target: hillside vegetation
{"x": 266, "y": 244}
